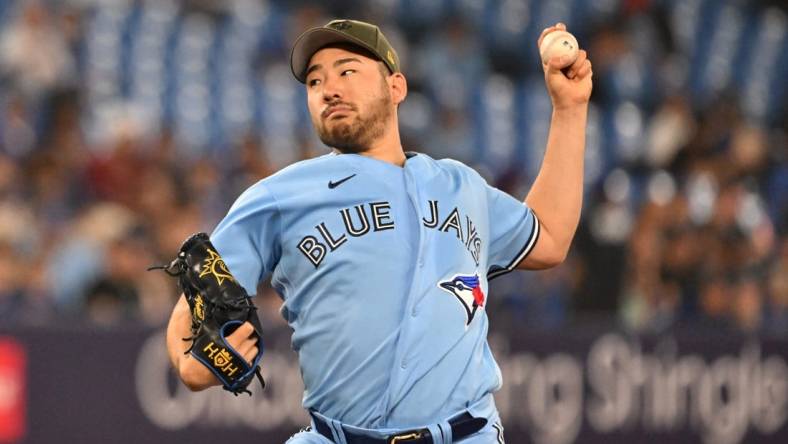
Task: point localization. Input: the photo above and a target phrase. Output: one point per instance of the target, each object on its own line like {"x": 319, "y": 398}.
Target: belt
{"x": 462, "y": 426}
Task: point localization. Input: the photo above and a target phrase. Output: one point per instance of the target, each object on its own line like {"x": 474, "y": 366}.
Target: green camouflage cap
{"x": 365, "y": 35}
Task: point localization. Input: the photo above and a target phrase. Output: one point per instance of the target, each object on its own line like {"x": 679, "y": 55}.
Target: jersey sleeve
{"x": 248, "y": 237}
{"x": 514, "y": 231}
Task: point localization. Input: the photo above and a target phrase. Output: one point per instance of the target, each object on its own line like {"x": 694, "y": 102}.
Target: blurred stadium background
{"x": 126, "y": 125}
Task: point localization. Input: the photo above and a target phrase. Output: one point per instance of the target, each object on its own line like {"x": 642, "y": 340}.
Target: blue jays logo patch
{"x": 467, "y": 290}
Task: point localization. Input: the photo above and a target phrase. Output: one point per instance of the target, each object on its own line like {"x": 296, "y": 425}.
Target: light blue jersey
{"x": 384, "y": 275}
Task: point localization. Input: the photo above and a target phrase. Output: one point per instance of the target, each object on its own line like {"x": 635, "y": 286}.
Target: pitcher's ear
{"x": 398, "y": 85}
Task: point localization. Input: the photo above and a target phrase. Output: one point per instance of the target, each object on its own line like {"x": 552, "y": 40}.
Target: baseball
{"x": 557, "y": 44}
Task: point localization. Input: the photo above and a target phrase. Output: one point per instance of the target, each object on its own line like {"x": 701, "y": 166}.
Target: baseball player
{"x": 383, "y": 256}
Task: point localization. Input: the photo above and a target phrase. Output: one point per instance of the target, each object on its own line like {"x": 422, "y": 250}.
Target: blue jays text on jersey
{"x": 383, "y": 271}
{"x": 379, "y": 213}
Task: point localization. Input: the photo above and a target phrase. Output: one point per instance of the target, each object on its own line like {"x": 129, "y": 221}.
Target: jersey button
{"x": 404, "y": 364}
{"x": 421, "y": 263}
{"x": 414, "y": 313}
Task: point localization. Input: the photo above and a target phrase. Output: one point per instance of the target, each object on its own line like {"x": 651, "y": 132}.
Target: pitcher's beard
{"x": 357, "y": 136}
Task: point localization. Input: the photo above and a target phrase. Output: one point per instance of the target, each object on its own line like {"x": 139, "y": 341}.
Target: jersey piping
{"x": 524, "y": 252}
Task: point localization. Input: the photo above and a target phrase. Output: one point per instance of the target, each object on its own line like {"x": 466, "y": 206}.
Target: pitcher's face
{"x": 348, "y": 98}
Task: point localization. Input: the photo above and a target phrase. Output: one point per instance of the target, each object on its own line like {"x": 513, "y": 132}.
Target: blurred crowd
{"x": 109, "y": 159}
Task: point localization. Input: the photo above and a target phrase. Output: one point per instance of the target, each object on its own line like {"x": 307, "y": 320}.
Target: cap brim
{"x": 311, "y": 41}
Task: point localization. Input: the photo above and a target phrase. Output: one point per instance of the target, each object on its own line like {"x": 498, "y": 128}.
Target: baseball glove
{"x": 219, "y": 305}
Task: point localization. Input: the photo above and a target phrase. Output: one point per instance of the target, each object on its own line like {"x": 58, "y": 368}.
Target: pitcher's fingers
{"x": 578, "y": 63}
{"x": 543, "y": 34}
{"x": 246, "y": 345}
{"x": 584, "y": 70}
{"x": 244, "y": 331}
{"x": 250, "y": 355}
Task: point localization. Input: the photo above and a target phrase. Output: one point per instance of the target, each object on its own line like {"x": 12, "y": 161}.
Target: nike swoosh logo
{"x": 333, "y": 185}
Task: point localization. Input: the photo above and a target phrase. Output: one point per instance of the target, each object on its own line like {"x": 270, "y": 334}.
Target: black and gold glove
{"x": 219, "y": 305}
